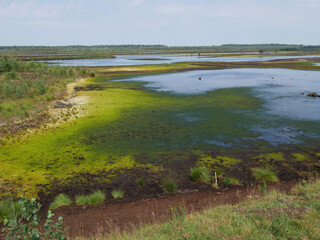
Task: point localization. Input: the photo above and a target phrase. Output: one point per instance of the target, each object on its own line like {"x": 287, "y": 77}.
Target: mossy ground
{"x": 128, "y": 126}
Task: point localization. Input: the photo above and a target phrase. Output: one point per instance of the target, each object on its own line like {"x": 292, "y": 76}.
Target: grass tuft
{"x": 8, "y": 209}
{"x": 94, "y": 198}
{"x": 117, "y": 193}
{"x": 265, "y": 175}
{"x": 60, "y": 200}
{"x": 202, "y": 174}
{"x": 170, "y": 183}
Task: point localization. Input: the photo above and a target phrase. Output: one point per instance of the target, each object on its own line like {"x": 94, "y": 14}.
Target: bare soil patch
{"x": 93, "y": 220}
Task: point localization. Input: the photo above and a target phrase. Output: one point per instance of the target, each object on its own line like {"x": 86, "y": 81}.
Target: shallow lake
{"x": 130, "y": 60}
{"x": 285, "y": 115}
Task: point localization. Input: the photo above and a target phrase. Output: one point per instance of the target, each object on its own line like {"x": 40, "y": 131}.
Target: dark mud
{"x": 30, "y": 123}
{"x": 127, "y": 216}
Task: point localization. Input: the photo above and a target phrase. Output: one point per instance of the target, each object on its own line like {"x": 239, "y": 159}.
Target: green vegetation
{"x": 274, "y": 216}
{"x": 170, "y": 183}
{"x": 26, "y": 224}
{"x": 97, "y": 197}
{"x": 60, "y": 200}
{"x": 227, "y": 181}
{"x": 202, "y": 174}
{"x": 8, "y": 209}
{"x": 101, "y": 50}
{"x": 117, "y": 193}
{"x": 141, "y": 182}
{"x": 265, "y": 175}
{"x": 29, "y": 86}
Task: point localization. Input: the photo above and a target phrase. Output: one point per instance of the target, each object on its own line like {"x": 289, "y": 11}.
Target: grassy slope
{"x": 275, "y": 216}
{"x": 124, "y": 119}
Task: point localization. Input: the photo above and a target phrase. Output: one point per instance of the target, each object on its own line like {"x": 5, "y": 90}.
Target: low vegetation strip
{"x": 27, "y": 87}
{"x": 274, "y": 216}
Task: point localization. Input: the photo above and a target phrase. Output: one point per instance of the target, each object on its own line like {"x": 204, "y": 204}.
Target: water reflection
{"x": 286, "y": 116}
{"x": 129, "y": 60}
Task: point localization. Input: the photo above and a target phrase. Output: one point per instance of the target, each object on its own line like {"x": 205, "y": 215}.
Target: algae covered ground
{"x": 129, "y": 127}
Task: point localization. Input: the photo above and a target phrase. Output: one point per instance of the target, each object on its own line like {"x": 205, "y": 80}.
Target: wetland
{"x": 144, "y": 121}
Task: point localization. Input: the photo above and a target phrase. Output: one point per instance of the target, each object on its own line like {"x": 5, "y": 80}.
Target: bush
{"x": 94, "y": 198}
{"x": 26, "y": 225}
{"x": 200, "y": 174}
{"x": 5, "y": 65}
{"x": 11, "y": 76}
{"x": 60, "y": 200}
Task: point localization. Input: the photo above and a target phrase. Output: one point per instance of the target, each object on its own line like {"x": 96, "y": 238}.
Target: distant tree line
{"x": 149, "y": 49}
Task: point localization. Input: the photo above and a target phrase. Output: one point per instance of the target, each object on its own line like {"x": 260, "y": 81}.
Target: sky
{"x": 167, "y": 22}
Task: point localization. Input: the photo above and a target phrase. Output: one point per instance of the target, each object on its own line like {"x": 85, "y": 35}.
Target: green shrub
{"x": 94, "y": 198}
{"x": 117, "y": 193}
{"x": 8, "y": 209}
{"x": 26, "y": 225}
{"x": 5, "y": 65}
{"x": 200, "y": 174}
{"x": 11, "y": 76}
{"x": 60, "y": 200}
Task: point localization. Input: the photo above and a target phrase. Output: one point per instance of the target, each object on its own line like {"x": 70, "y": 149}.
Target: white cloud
{"x": 137, "y": 2}
{"x": 29, "y": 9}
{"x": 309, "y": 3}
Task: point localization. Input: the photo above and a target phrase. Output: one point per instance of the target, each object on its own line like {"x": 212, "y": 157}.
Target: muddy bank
{"x": 102, "y": 219}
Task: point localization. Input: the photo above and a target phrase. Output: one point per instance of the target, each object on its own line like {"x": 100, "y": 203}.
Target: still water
{"x": 129, "y": 60}
{"x": 286, "y": 114}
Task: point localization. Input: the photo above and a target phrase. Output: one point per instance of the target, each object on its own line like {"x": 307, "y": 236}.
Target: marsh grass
{"x": 170, "y": 182}
{"x": 60, "y": 200}
{"x": 8, "y": 209}
{"x": 202, "y": 174}
{"x": 94, "y": 198}
{"x": 227, "y": 181}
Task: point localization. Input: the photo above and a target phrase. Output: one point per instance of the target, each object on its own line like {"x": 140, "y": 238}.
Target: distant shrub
{"x": 11, "y": 75}
{"x": 94, "y": 198}
{"x": 41, "y": 87}
{"x": 60, "y": 200}
{"x": 5, "y": 65}
{"x": 200, "y": 174}
{"x": 141, "y": 182}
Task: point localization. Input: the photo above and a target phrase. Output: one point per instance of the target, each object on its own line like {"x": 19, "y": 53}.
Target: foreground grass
{"x": 275, "y": 216}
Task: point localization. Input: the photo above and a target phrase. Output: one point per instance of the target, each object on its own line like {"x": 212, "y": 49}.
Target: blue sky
{"x": 169, "y": 22}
